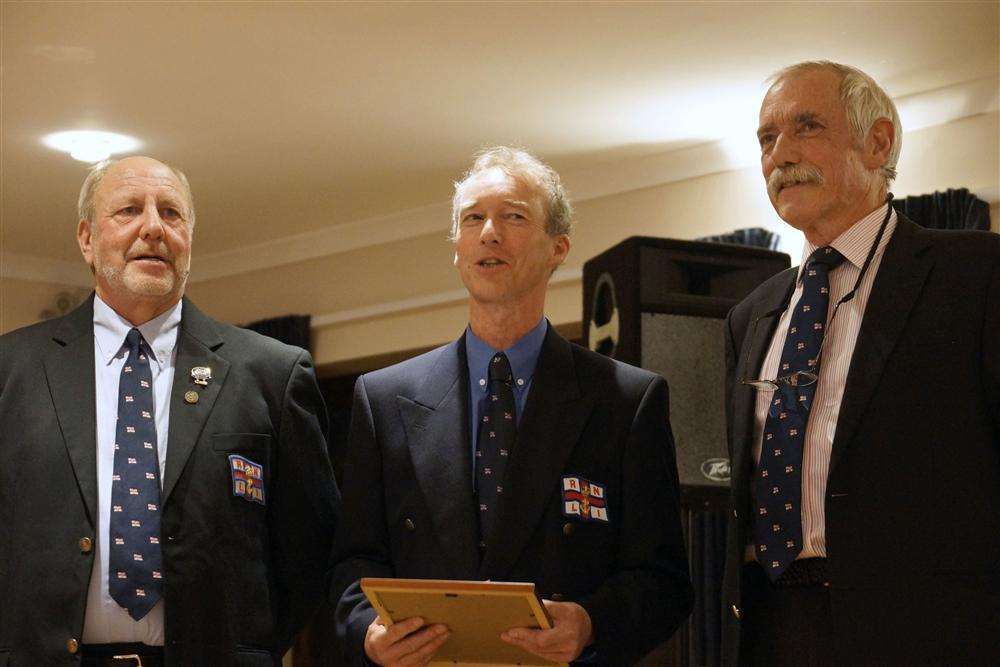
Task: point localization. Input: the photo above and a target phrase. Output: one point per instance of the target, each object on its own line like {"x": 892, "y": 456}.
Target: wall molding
{"x": 918, "y": 111}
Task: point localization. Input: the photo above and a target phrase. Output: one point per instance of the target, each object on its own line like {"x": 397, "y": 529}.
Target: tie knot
{"x": 500, "y": 368}
{"x": 134, "y": 340}
{"x": 827, "y": 256}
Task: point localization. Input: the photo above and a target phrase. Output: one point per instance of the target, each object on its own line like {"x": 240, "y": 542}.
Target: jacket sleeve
{"x": 363, "y": 548}
{"x": 304, "y": 503}
{"x": 991, "y": 341}
{"x": 644, "y": 602}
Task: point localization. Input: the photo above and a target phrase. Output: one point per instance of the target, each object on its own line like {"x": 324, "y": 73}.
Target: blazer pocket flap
{"x": 240, "y": 442}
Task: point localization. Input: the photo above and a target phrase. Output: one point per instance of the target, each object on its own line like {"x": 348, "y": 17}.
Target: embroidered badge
{"x": 248, "y": 479}
{"x": 585, "y": 499}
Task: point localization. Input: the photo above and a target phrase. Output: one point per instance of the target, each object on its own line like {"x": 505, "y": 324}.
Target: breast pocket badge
{"x": 584, "y": 499}
{"x": 248, "y": 479}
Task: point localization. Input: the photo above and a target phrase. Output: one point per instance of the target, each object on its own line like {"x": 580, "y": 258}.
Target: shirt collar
{"x": 160, "y": 333}
{"x": 855, "y": 242}
{"x": 523, "y": 355}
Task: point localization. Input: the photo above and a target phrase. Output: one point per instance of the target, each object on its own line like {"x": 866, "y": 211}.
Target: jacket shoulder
{"x": 598, "y": 370}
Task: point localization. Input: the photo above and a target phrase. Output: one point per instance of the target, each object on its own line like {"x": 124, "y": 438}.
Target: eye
{"x": 472, "y": 218}
{"x": 809, "y": 127}
{"x": 765, "y": 140}
{"x": 129, "y": 210}
{"x": 516, "y": 216}
{"x": 170, "y": 214}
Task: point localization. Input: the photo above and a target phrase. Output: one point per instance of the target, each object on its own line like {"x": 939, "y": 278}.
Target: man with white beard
{"x": 166, "y": 495}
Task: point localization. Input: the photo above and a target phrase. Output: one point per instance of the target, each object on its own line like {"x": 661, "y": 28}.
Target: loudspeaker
{"x": 661, "y": 304}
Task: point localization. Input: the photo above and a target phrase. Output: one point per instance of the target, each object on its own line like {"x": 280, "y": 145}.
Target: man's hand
{"x": 408, "y": 643}
{"x": 570, "y": 634}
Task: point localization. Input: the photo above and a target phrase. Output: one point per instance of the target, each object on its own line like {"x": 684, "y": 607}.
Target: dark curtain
{"x": 290, "y": 329}
{"x": 758, "y": 237}
{"x": 951, "y": 209}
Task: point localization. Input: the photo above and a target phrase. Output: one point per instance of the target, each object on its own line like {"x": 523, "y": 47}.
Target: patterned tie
{"x": 497, "y": 433}
{"x": 135, "y": 568}
{"x": 778, "y": 479}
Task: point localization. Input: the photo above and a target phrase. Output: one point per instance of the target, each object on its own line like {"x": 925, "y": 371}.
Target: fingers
{"x": 407, "y": 643}
{"x": 397, "y": 631}
{"x": 438, "y": 635}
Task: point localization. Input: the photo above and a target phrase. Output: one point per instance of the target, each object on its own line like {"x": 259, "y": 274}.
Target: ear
{"x": 560, "y": 249}
{"x": 879, "y": 143}
{"x": 84, "y": 237}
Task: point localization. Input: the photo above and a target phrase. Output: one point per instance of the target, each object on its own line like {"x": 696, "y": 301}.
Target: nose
{"x": 490, "y": 233}
{"x": 785, "y": 151}
{"x": 152, "y": 223}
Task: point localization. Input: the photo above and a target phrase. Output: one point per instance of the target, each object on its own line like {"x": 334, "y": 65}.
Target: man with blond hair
{"x": 513, "y": 455}
{"x": 166, "y": 496}
{"x": 863, "y": 401}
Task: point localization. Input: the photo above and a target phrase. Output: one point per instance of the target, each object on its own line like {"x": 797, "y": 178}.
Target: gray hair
{"x": 520, "y": 164}
{"x": 85, "y": 203}
{"x": 864, "y": 102}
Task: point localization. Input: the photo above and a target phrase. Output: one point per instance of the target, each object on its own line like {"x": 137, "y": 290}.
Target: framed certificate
{"x": 476, "y": 612}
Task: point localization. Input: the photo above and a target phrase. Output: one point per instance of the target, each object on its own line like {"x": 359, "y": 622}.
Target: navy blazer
{"x": 240, "y": 578}
{"x": 912, "y": 526}
{"x": 408, "y": 494}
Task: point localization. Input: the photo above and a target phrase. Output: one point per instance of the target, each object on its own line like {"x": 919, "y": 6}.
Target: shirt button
{"x": 482, "y": 382}
{"x": 567, "y": 529}
{"x": 409, "y": 524}
{"x": 520, "y": 382}
{"x": 72, "y": 645}
{"x": 86, "y": 544}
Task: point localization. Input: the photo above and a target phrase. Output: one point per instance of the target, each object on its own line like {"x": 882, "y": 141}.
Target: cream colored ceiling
{"x": 295, "y": 117}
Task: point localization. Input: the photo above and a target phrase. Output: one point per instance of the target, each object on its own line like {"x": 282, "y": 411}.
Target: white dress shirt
{"x": 842, "y": 334}
{"x": 105, "y": 621}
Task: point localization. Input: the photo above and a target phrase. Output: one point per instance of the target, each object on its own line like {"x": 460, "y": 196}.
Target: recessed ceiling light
{"x": 90, "y": 145}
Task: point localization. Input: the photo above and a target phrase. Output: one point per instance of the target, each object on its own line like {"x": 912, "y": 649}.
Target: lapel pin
{"x": 191, "y": 397}
{"x": 201, "y": 375}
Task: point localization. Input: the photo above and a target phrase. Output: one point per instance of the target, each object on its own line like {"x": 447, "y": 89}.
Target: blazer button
{"x": 567, "y": 529}
{"x": 736, "y": 515}
{"x": 556, "y": 597}
{"x": 409, "y": 524}
{"x": 86, "y": 545}
{"x": 736, "y": 613}
{"x": 72, "y": 645}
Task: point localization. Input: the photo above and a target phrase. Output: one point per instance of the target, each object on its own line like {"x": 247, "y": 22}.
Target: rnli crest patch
{"x": 584, "y": 499}
{"x": 248, "y": 479}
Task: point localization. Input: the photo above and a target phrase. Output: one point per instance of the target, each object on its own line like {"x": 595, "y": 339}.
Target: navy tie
{"x": 778, "y": 479}
{"x": 497, "y": 433}
{"x": 135, "y": 562}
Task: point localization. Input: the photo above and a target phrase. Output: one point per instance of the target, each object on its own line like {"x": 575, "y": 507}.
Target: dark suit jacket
{"x": 239, "y": 578}
{"x": 912, "y": 525}
{"x": 408, "y": 485}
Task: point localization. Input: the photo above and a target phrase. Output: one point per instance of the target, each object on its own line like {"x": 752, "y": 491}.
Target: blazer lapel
{"x": 69, "y": 369}
{"x": 763, "y": 322}
{"x": 900, "y": 279}
{"x": 553, "y": 419}
{"x": 197, "y": 342}
{"x": 437, "y": 427}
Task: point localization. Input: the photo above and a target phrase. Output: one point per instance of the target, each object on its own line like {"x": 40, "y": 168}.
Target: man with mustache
{"x": 166, "y": 495}
{"x": 863, "y": 401}
{"x": 513, "y": 455}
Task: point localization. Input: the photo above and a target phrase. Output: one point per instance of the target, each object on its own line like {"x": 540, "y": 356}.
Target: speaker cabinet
{"x": 661, "y": 304}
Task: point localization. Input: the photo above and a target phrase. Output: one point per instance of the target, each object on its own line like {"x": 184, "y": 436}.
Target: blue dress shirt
{"x": 523, "y": 356}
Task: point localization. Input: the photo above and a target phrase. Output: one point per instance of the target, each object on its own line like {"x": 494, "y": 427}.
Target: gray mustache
{"x": 791, "y": 175}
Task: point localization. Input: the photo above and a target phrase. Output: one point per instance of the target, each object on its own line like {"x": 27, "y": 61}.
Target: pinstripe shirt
{"x": 842, "y": 334}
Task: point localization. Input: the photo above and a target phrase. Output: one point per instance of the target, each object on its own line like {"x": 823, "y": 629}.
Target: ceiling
{"x": 295, "y": 117}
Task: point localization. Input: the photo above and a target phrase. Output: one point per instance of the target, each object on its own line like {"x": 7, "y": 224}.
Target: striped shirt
{"x": 842, "y": 334}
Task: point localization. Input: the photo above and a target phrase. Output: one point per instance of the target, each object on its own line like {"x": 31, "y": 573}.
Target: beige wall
{"x": 414, "y": 286}
{"x": 22, "y": 302}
